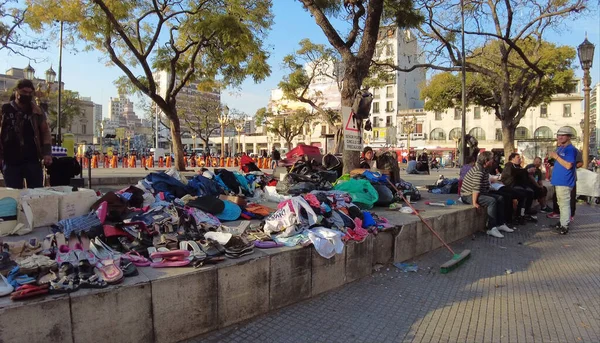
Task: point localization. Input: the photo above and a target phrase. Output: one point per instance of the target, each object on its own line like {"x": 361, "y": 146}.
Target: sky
{"x": 86, "y": 73}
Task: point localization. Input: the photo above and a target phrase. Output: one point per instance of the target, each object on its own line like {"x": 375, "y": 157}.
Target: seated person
{"x": 423, "y": 162}
{"x": 476, "y": 191}
{"x": 517, "y": 179}
{"x": 368, "y": 162}
{"x": 537, "y": 184}
{"x": 413, "y": 166}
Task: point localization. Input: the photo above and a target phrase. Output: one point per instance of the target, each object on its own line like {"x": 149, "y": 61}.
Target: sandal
{"x": 29, "y": 291}
{"x": 212, "y": 248}
{"x": 66, "y": 255}
{"x": 137, "y": 259}
{"x": 196, "y": 252}
{"x": 128, "y": 268}
{"x": 87, "y": 277}
{"x": 111, "y": 273}
{"x": 176, "y": 254}
{"x": 49, "y": 247}
{"x": 66, "y": 281}
{"x": 84, "y": 254}
{"x": 165, "y": 263}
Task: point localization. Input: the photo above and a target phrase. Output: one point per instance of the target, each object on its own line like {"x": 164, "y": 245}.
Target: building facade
{"x": 594, "y": 120}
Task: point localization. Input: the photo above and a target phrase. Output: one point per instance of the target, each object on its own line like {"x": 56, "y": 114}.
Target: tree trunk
{"x": 338, "y": 140}
{"x": 205, "y": 143}
{"x": 508, "y": 137}
{"x": 178, "y": 163}
{"x": 289, "y": 144}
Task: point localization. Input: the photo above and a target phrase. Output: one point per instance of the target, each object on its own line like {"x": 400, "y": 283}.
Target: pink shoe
{"x": 101, "y": 211}
{"x": 84, "y": 254}
{"x": 65, "y": 254}
{"x": 553, "y": 215}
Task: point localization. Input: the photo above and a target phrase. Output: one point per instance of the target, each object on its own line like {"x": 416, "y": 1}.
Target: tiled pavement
{"x": 551, "y": 293}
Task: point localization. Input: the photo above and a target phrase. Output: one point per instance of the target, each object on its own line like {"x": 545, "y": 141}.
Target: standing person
{"x": 24, "y": 139}
{"x": 475, "y": 190}
{"x": 424, "y": 159}
{"x": 275, "y": 157}
{"x": 563, "y": 176}
{"x": 537, "y": 184}
{"x": 556, "y": 209}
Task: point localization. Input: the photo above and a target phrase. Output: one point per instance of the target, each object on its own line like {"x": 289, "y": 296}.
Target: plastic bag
{"x": 289, "y": 219}
{"x": 176, "y": 175}
{"x": 362, "y": 192}
{"x": 327, "y": 242}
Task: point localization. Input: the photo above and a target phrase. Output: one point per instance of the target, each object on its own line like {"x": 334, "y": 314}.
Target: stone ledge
{"x": 168, "y": 305}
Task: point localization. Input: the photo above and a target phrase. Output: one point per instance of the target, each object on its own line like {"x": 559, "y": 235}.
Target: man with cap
{"x": 563, "y": 176}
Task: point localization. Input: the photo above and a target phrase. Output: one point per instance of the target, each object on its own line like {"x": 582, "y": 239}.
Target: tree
{"x": 195, "y": 41}
{"x": 511, "y": 67}
{"x": 287, "y": 124}
{"x": 70, "y": 108}
{"x": 308, "y": 64}
{"x": 150, "y": 109}
{"x": 201, "y": 117}
{"x": 12, "y": 22}
{"x": 357, "y": 48}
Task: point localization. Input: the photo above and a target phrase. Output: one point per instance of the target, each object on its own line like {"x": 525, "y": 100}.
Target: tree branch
{"x": 332, "y": 35}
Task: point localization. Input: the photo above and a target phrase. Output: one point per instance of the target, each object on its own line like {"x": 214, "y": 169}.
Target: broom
{"x": 457, "y": 259}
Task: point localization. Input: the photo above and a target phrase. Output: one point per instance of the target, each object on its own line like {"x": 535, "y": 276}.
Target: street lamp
{"x": 29, "y": 72}
{"x": 586, "y": 57}
{"x": 240, "y": 124}
{"x": 223, "y": 120}
{"x": 408, "y": 126}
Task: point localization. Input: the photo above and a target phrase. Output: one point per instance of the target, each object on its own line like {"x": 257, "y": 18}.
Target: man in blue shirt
{"x": 563, "y": 176}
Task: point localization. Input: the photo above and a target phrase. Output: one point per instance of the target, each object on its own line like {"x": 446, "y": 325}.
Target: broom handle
{"x": 418, "y": 215}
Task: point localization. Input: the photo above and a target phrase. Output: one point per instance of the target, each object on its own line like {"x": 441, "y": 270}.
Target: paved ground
{"x": 532, "y": 286}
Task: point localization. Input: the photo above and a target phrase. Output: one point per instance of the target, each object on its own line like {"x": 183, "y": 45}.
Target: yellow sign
{"x": 379, "y": 132}
{"x": 109, "y": 151}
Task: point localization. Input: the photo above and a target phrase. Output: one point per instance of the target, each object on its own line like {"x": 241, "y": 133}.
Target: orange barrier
{"x": 185, "y": 161}
{"x": 105, "y": 162}
{"x": 161, "y": 162}
{"x": 168, "y": 161}
{"x": 132, "y": 162}
{"x": 94, "y": 161}
{"x": 143, "y": 164}
{"x": 124, "y": 162}
{"x": 114, "y": 161}
{"x": 150, "y": 162}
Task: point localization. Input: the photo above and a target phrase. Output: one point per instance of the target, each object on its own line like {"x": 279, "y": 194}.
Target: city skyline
{"x": 87, "y": 73}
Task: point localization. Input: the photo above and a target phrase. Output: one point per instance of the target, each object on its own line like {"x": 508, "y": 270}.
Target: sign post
{"x": 352, "y": 136}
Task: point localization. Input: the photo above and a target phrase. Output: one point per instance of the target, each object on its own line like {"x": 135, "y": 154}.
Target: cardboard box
{"x": 43, "y": 204}
{"x": 9, "y": 200}
{"x": 74, "y": 204}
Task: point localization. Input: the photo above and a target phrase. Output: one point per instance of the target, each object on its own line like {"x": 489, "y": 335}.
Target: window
{"x": 419, "y": 128}
{"x": 375, "y": 107}
{"x": 375, "y": 121}
{"x": 477, "y": 112}
{"x": 543, "y": 132}
{"x": 389, "y": 50}
{"x": 478, "y": 133}
{"x": 457, "y": 113}
{"x": 437, "y": 135}
{"x": 376, "y": 93}
{"x": 499, "y": 134}
{"x": 83, "y": 129}
{"x": 388, "y": 121}
{"x": 455, "y": 133}
{"x": 544, "y": 111}
{"x": 389, "y": 106}
{"x": 438, "y": 115}
{"x": 521, "y": 133}
{"x": 389, "y": 92}
{"x": 323, "y": 129}
{"x": 566, "y": 110}
{"x": 376, "y": 134}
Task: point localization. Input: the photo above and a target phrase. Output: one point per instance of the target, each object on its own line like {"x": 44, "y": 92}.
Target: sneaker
{"x": 505, "y": 228}
{"x": 553, "y": 215}
{"x": 561, "y": 230}
{"x": 495, "y": 233}
{"x": 546, "y": 209}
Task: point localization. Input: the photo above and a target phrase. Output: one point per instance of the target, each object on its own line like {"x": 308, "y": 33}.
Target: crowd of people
{"x": 485, "y": 184}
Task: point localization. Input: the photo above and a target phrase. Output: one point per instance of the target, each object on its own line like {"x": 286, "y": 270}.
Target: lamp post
{"x": 586, "y": 57}
{"x": 223, "y": 120}
{"x": 239, "y": 127}
{"x": 42, "y": 96}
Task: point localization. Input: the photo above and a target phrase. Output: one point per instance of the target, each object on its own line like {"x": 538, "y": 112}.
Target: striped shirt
{"x": 476, "y": 180}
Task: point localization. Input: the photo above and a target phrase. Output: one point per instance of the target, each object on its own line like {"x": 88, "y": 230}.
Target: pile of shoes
{"x": 238, "y": 246}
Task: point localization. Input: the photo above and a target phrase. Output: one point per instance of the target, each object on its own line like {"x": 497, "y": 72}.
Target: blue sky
{"x": 86, "y": 73}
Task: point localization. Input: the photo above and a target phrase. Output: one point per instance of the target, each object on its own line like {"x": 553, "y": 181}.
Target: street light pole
{"x": 463, "y": 70}
{"x": 586, "y": 57}
{"x": 59, "y": 109}
{"x": 223, "y": 118}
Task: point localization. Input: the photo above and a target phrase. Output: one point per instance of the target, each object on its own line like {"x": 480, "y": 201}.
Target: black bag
{"x": 362, "y": 104}
{"x": 229, "y": 180}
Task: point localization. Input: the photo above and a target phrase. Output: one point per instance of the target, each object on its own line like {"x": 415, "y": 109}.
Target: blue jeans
{"x": 495, "y": 207}
{"x": 30, "y": 171}
{"x": 563, "y": 199}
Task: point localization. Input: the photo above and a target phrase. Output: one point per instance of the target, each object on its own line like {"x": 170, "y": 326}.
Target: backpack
{"x": 362, "y": 104}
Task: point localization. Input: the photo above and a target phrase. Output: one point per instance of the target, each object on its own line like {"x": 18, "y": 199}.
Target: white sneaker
{"x": 495, "y": 233}
{"x": 505, "y": 228}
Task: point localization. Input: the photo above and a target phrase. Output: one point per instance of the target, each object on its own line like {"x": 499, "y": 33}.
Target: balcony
{"x": 417, "y": 136}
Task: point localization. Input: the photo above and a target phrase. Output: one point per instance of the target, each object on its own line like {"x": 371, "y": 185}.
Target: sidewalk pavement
{"x": 531, "y": 286}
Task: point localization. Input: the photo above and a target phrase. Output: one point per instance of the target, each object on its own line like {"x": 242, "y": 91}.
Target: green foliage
{"x": 287, "y": 123}
{"x": 201, "y": 118}
{"x": 443, "y": 90}
{"x": 70, "y": 107}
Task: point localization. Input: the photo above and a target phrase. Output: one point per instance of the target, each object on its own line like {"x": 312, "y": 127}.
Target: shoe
{"x": 553, "y": 215}
{"x": 495, "y": 233}
{"x": 530, "y": 218}
{"x": 505, "y": 228}
{"x": 546, "y": 209}
{"x": 561, "y": 230}
{"x": 5, "y": 287}
{"x": 66, "y": 255}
